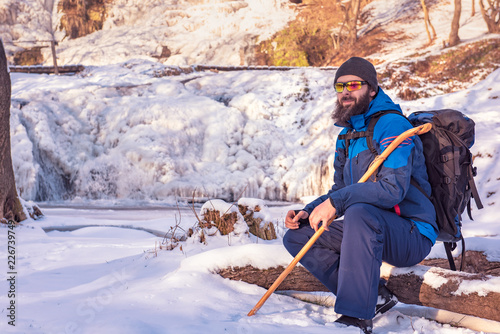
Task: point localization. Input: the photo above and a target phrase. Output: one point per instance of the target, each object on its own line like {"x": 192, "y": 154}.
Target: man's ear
{"x": 372, "y": 92}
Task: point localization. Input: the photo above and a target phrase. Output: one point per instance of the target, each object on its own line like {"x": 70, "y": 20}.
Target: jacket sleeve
{"x": 392, "y": 180}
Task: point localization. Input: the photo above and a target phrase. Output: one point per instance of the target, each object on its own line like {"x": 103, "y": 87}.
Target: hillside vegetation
{"x": 317, "y": 36}
{"x": 452, "y": 70}
{"x": 309, "y": 41}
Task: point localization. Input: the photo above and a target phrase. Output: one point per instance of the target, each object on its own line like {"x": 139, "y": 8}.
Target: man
{"x": 388, "y": 218}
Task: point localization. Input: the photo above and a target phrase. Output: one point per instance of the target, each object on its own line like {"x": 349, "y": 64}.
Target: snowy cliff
{"x": 123, "y": 132}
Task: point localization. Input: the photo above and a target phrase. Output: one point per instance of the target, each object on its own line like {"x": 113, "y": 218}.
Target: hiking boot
{"x": 365, "y": 325}
{"x": 386, "y": 300}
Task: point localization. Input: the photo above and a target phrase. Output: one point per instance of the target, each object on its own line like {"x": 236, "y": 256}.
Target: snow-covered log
{"x": 465, "y": 293}
{"x": 460, "y": 292}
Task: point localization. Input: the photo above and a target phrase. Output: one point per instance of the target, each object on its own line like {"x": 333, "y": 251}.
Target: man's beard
{"x": 342, "y": 114}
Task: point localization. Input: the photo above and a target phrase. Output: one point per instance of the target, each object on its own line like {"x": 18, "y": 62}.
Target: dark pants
{"x": 347, "y": 258}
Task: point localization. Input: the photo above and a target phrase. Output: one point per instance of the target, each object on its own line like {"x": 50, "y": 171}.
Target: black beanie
{"x": 361, "y": 68}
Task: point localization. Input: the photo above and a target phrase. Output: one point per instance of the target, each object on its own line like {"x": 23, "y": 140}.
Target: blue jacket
{"x": 391, "y": 186}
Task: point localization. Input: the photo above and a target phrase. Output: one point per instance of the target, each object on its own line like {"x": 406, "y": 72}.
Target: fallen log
{"x": 37, "y": 69}
{"x": 459, "y": 292}
{"x": 465, "y": 293}
{"x": 299, "y": 279}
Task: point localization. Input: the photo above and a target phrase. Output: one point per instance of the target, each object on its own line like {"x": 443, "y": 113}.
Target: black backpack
{"x": 449, "y": 167}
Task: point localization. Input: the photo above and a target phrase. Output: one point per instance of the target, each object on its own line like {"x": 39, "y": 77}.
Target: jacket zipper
{"x": 351, "y": 159}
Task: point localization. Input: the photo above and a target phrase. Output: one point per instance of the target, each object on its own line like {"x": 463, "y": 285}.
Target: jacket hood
{"x": 381, "y": 102}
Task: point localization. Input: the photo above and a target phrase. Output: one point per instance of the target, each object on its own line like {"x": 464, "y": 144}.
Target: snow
{"x": 493, "y": 285}
{"x": 114, "y": 154}
{"x": 79, "y": 281}
{"x": 200, "y": 32}
{"x": 207, "y": 134}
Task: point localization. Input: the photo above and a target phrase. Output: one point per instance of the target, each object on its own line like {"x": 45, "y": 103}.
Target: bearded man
{"x": 388, "y": 218}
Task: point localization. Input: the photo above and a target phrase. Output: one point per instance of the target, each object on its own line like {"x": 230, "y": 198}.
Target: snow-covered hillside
{"x": 194, "y": 31}
{"x": 217, "y": 32}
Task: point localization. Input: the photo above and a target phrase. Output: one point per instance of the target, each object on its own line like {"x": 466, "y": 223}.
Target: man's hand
{"x": 292, "y": 219}
{"x": 322, "y": 213}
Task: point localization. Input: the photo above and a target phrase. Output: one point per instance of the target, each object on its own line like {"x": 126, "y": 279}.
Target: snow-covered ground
{"x": 110, "y": 279}
{"x": 133, "y": 142}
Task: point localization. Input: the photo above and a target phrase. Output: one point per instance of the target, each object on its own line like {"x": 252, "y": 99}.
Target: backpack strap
{"x": 371, "y": 127}
{"x": 449, "y": 247}
{"x": 416, "y": 185}
{"x": 368, "y": 133}
{"x": 350, "y": 135}
{"x": 462, "y": 260}
{"x": 475, "y": 194}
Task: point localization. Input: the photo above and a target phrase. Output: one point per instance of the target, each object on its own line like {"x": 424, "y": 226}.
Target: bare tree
{"x": 336, "y": 36}
{"x": 455, "y": 24}
{"x": 351, "y": 11}
{"x": 491, "y": 15}
{"x": 473, "y": 8}
{"x": 353, "y": 21}
{"x": 428, "y": 23}
{"x": 10, "y": 205}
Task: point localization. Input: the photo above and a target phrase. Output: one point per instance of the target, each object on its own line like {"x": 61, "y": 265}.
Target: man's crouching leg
{"x": 371, "y": 235}
{"x": 322, "y": 259}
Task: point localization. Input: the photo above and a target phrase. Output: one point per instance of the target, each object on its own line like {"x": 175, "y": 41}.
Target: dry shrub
{"x": 306, "y": 41}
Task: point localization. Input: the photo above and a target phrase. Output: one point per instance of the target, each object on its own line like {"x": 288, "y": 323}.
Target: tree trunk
{"x": 491, "y": 15}
{"x": 10, "y": 205}
{"x": 353, "y": 21}
{"x": 455, "y": 24}
{"x": 428, "y": 23}
{"x": 337, "y": 38}
{"x": 473, "y": 8}
{"x": 408, "y": 284}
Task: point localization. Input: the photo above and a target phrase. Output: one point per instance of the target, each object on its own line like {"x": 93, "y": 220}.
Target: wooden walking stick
{"x": 373, "y": 167}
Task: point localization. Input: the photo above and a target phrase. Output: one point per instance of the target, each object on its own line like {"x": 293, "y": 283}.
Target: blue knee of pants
{"x": 347, "y": 258}
{"x": 322, "y": 258}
